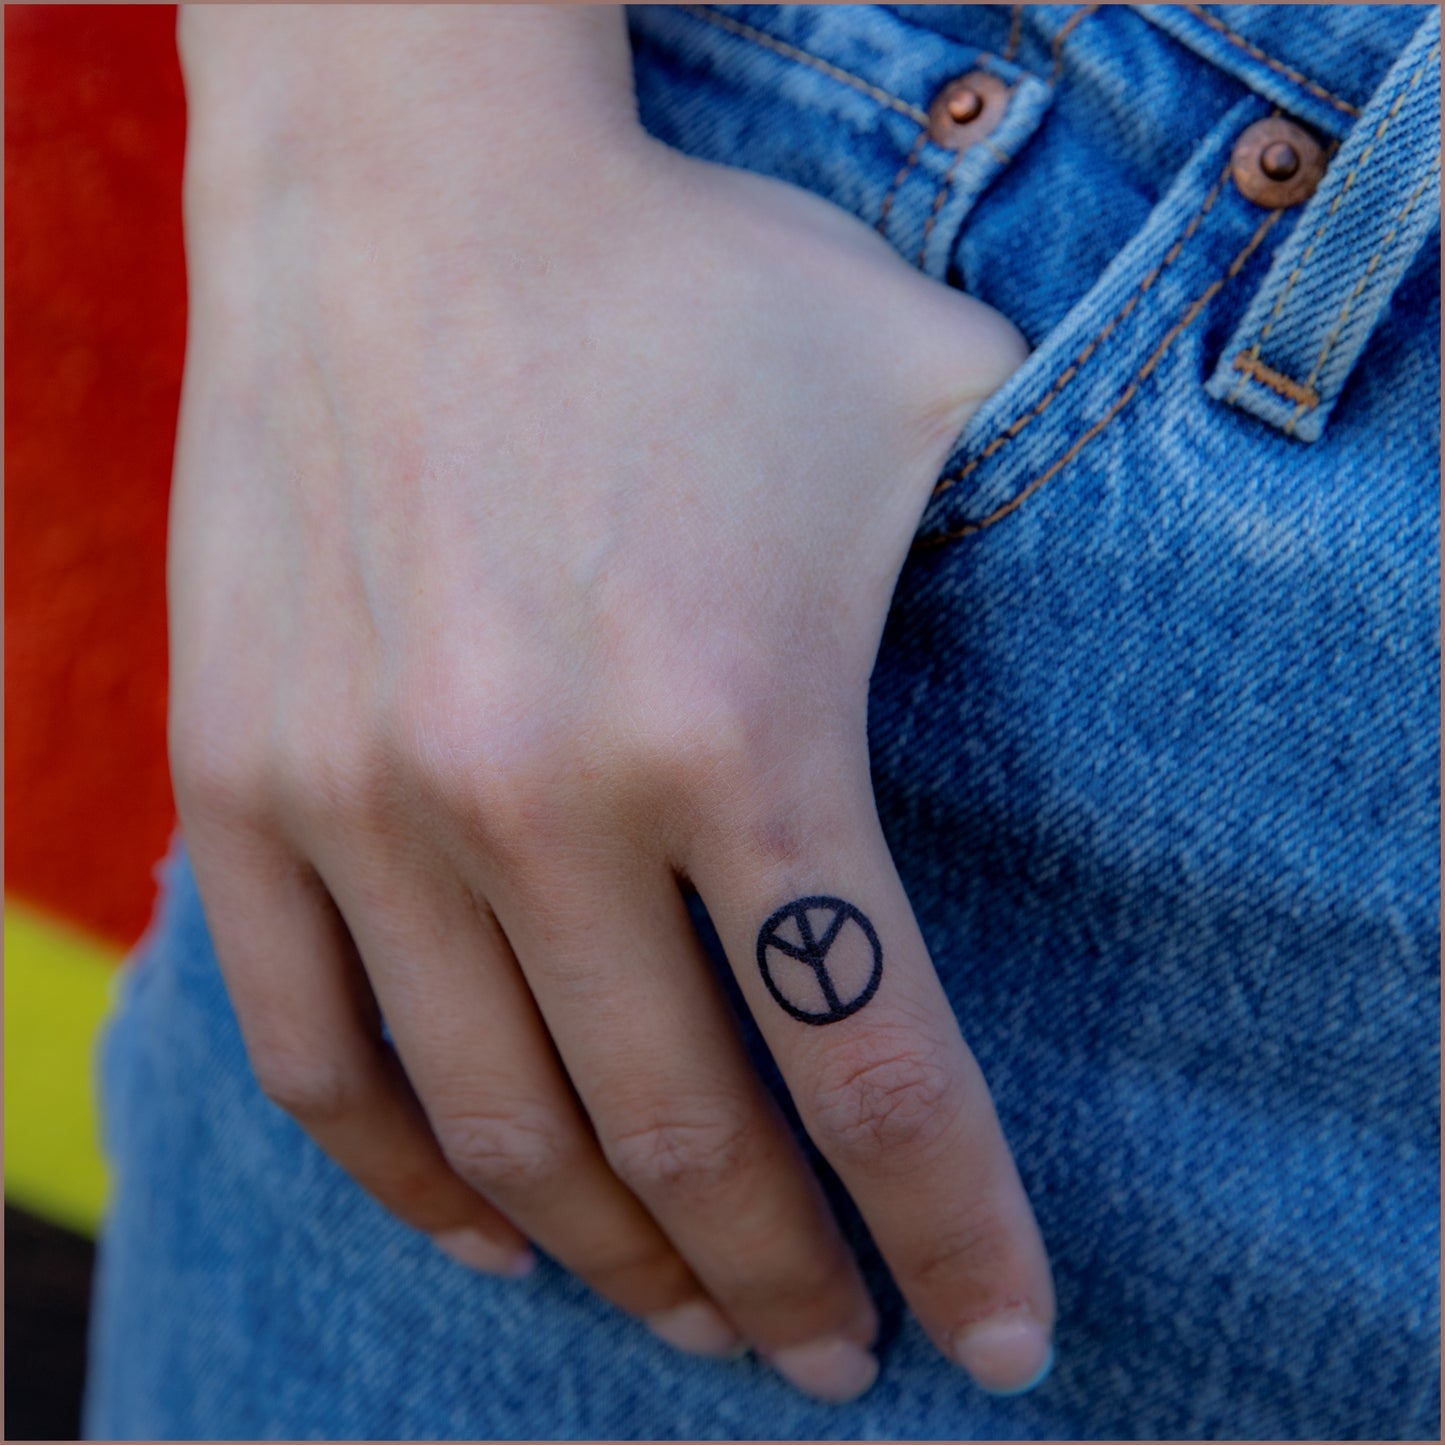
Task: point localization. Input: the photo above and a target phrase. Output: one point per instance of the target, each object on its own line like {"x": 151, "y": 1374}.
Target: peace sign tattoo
{"x": 820, "y": 958}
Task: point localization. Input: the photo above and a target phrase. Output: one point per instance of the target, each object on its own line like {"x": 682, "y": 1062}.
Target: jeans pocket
{"x": 835, "y": 99}
{"x": 1141, "y": 337}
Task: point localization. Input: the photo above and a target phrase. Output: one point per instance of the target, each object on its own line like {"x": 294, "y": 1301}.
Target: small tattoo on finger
{"x": 820, "y": 959}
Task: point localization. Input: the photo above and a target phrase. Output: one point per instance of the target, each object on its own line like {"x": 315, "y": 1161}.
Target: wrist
{"x": 373, "y": 105}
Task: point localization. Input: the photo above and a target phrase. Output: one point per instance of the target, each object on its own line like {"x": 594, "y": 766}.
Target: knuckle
{"x": 879, "y": 1100}
{"x": 512, "y": 811}
{"x": 341, "y": 784}
{"x": 716, "y": 746}
{"x": 429, "y": 738}
{"x": 314, "y": 1090}
{"x": 684, "y": 1156}
{"x": 493, "y": 773}
{"x": 738, "y": 766}
{"x": 509, "y": 1153}
{"x": 211, "y": 775}
{"x": 688, "y": 731}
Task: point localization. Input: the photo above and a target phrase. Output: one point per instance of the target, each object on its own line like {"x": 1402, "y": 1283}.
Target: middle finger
{"x": 652, "y": 1047}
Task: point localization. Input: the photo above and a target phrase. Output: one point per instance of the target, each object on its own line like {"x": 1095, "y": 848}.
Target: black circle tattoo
{"x": 791, "y": 934}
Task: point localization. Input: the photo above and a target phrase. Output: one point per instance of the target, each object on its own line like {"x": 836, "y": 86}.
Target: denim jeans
{"x": 1154, "y": 737}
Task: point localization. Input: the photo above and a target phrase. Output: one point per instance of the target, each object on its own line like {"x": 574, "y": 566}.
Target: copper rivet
{"x": 965, "y": 106}
{"x": 966, "y": 109}
{"x": 1279, "y": 161}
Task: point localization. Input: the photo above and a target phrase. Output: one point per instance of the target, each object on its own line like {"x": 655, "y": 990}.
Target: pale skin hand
{"x": 539, "y": 497}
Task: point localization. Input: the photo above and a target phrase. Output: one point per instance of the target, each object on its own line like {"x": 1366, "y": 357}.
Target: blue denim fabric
{"x": 1303, "y": 333}
{"x": 1154, "y": 731}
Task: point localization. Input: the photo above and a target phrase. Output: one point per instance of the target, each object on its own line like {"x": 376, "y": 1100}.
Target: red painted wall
{"x": 94, "y": 332}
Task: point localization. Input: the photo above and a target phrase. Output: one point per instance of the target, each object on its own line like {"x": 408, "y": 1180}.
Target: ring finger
{"x": 478, "y": 1054}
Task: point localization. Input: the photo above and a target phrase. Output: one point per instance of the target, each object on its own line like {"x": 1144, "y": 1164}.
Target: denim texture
{"x": 1154, "y": 730}
{"x": 1317, "y": 307}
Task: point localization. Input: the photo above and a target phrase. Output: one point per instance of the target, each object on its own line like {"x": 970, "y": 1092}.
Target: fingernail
{"x": 831, "y": 1370}
{"x": 696, "y": 1328}
{"x": 1006, "y": 1356}
{"x": 472, "y": 1248}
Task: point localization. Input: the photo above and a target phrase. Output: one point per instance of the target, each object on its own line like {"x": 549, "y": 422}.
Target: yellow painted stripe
{"x": 58, "y": 984}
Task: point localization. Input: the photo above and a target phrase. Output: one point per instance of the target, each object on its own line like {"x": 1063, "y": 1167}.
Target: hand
{"x": 527, "y": 563}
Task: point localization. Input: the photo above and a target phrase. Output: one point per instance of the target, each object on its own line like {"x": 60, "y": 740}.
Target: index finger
{"x": 833, "y": 966}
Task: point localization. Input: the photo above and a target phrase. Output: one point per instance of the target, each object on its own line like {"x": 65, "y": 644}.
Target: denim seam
{"x": 945, "y": 184}
{"x": 1071, "y": 371}
{"x": 1199, "y": 12}
{"x": 1276, "y": 380}
{"x": 1354, "y": 295}
{"x": 1067, "y": 29}
{"x": 1125, "y": 397}
{"x": 1252, "y": 355}
{"x": 804, "y": 57}
{"x": 1015, "y": 32}
{"x": 884, "y": 97}
{"x": 903, "y": 170}
{"x": 1356, "y": 170}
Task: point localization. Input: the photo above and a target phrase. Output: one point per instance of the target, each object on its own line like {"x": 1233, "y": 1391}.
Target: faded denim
{"x": 1154, "y": 731}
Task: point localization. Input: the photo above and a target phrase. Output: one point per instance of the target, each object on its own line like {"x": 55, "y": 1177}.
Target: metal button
{"x": 965, "y": 105}
{"x": 1279, "y": 160}
{"x": 1277, "y": 163}
{"x": 967, "y": 109}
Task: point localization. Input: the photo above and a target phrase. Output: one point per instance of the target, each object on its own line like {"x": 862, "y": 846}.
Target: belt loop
{"x": 1331, "y": 279}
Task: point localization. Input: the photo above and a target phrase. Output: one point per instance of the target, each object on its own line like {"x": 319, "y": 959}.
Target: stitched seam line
{"x": 944, "y": 186}
{"x": 1072, "y": 370}
{"x": 1125, "y": 397}
{"x": 1068, "y": 28}
{"x": 945, "y": 183}
{"x": 1276, "y": 380}
{"x": 1370, "y": 271}
{"x": 1328, "y": 217}
{"x": 804, "y": 57}
{"x": 1354, "y": 296}
{"x": 898, "y": 180}
{"x": 1281, "y": 298}
{"x": 1015, "y": 32}
{"x": 1235, "y": 39}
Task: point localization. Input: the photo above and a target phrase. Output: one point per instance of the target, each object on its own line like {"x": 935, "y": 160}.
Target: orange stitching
{"x": 1254, "y": 50}
{"x": 1074, "y": 20}
{"x": 1015, "y": 33}
{"x": 1294, "y": 276}
{"x": 1072, "y": 370}
{"x": 946, "y": 182}
{"x": 1125, "y": 397}
{"x": 1354, "y": 295}
{"x": 1276, "y": 380}
{"x": 1370, "y": 269}
{"x": 804, "y": 57}
{"x": 899, "y": 179}
{"x": 1357, "y": 169}
{"x": 944, "y": 187}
